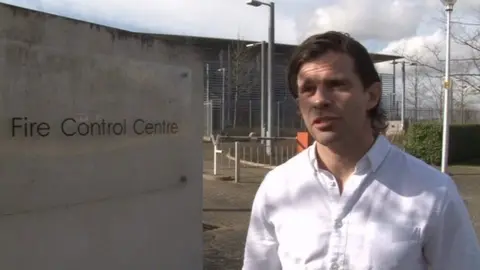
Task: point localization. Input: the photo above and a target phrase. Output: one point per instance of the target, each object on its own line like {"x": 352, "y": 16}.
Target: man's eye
{"x": 336, "y": 84}
{"x": 309, "y": 88}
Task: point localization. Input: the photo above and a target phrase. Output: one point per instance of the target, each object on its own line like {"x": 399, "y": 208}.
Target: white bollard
{"x": 214, "y": 159}
{"x": 215, "y": 152}
{"x": 237, "y": 163}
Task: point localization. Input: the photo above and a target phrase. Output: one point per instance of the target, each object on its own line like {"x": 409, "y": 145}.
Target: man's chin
{"x": 326, "y": 138}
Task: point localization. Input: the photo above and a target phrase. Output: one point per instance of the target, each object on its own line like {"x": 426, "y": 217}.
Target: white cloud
{"x": 371, "y": 19}
{"x": 429, "y": 48}
{"x": 386, "y": 25}
{"x": 407, "y": 27}
{"x": 417, "y": 46}
{"x": 214, "y": 18}
{"x": 377, "y": 20}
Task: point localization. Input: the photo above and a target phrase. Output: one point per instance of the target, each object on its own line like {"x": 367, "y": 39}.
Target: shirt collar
{"x": 378, "y": 152}
{"x": 374, "y": 156}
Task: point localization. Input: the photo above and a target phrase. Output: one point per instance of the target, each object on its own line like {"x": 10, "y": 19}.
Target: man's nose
{"x": 321, "y": 97}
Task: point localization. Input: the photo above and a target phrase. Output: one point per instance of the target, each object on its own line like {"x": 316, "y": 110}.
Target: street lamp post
{"x": 207, "y": 71}
{"x": 415, "y": 90}
{"x": 223, "y": 98}
{"x": 404, "y": 93}
{"x": 448, "y": 4}
{"x": 271, "y": 41}
{"x": 262, "y": 86}
{"x": 394, "y": 93}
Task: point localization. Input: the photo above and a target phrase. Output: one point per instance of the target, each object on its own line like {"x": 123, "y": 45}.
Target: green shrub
{"x": 424, "y": 140}
{"x": 397, "y": 139}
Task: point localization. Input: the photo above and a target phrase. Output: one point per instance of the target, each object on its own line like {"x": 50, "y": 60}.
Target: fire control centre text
{"x": 70, "y": 127}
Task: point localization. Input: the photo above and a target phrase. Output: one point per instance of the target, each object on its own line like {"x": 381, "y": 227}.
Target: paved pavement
{"x": 227, "y": 206}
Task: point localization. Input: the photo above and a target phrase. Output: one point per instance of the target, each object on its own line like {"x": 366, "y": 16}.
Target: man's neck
{"x": 341, "y": 160}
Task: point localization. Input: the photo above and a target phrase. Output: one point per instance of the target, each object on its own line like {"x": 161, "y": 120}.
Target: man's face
{"x": 332, "y": 100}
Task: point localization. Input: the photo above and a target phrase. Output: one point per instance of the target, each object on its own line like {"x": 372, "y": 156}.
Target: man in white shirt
{"x": 352, "y": 200}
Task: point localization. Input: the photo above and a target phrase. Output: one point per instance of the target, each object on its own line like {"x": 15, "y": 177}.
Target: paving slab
{"x": 227, "y": 206}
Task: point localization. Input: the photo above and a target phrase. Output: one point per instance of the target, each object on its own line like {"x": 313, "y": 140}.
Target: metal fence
{"x": 233, "y": 100}
{"x": 458, "y": 116}
{"x": 286, "y": 121}
{"x": 207, "y": 119}
{"x": 233, "y": 103}
{"x": 243, "y": 158}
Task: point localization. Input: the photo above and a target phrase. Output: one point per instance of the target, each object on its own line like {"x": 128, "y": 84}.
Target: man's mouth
{"x": 323, "y": 122}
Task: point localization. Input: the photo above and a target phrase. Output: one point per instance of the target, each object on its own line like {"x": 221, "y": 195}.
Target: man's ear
{"x": 374, "y": 95}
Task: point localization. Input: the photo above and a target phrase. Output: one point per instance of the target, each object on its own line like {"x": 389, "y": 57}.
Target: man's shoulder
{"x": 288, "y": 174}
{"x": 292, "y": 166}
{"x": 419, "y": 173}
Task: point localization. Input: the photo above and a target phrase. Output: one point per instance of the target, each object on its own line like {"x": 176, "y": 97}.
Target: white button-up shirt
{"x": 395, "y": 212}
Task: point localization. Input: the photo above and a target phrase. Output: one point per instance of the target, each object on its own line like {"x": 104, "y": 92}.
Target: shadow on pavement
{"x": 226, "y": 210}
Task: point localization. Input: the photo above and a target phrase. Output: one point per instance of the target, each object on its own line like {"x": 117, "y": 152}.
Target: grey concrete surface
{"x": 226, "y": 205}
{"x": 104, "y": 200}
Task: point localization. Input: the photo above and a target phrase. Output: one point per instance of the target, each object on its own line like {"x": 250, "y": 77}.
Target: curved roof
{"x": 205, "y": 42}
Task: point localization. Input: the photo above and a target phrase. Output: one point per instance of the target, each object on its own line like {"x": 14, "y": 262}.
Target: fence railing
{"x": 246, "y": 118}
{"x": 233, "y": 154}
{"x": 207, "y": 119}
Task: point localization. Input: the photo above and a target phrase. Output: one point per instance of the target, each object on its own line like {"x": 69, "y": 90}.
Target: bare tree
{"x": 467, "y": 35}
{"x": 466, "y": 69}
{"x": 244, "y": 74}
{"x": 425, "y": 94}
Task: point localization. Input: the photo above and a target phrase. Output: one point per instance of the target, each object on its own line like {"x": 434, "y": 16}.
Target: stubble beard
{"x": 325, "y": 138}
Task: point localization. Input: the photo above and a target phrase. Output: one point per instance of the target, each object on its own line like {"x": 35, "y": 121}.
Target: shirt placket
{"x": 346, "y": 202}
{"x": 339, "y": 206}
{"x": 338, "y": 243}
{"x": 338, "y": 236}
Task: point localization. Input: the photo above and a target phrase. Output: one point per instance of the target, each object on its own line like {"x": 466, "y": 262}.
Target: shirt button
{"x": 334, "y": 266}
{"x": 338, "y": 224}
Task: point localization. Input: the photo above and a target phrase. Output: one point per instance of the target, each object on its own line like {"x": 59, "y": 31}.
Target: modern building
{"x": 233, "y": 89}
{"x": 232, "y": 76}
{"x": 390, "y": 100}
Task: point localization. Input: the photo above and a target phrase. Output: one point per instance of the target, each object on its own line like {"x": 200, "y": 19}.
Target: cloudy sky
{"x": 381, "y": 24}
{"x": 385, "y": 26}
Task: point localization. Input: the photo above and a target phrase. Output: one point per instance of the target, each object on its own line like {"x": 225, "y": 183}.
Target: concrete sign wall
{"x": 100, "y": 148}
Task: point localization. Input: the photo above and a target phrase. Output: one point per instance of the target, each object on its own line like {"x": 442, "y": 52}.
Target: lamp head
{"x": 254, "y": 3}
{"x": 448, "y": 3}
